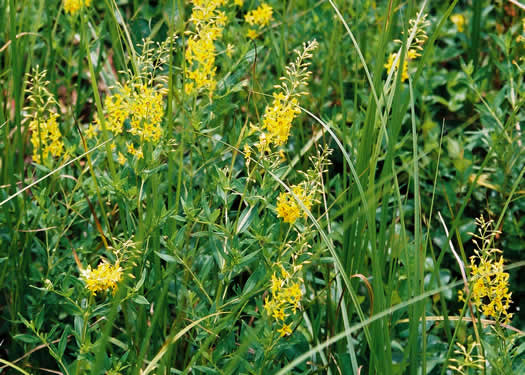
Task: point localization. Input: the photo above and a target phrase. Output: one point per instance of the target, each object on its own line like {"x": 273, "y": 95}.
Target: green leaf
{"x": 166, "y": 257}
{"x": 141, "y": 300}
{"x": 27, "y": 338}
{"x": 245, "y": 220}
{"x": 63, "y": 342}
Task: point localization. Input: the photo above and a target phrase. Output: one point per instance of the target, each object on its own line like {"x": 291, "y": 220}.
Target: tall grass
{"x": 193, "y": 223}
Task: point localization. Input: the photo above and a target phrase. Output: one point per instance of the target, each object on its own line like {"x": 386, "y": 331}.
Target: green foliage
{"x": 190, "y": 222}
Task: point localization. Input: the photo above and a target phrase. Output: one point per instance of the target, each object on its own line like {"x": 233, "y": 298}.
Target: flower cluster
{"x": 46, "y": 138}
{"x": 417, "y": 30}
{"x": 106, "y": 276}
{"x": 142, "y": 105}
{"x": 289, "y": 206}
{"x": 285, "y": 298}
{"x": 74, "y": 6}
{"x": 137, "y": 104}
{"x": 200, "y": 53}
{"x": 490, "y": 290}
{"x": 278, "y": 116}
{"x": 392, "y": 62}
{"x": 260, "y": 17}
{"x": 289, "y": 209}
{"x": 488, "y": 281}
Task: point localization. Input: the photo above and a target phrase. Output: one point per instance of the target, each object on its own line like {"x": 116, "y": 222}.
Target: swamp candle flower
{"x": 200, "y": 51}
{"x": 46, "y": 138}
{"x": 74, "y": 6}
{"x": 260, "y": 16}
{"x": 488, "y": 282}
{"x": 289, "y": 209}
{"x": 279, "y": 115}
{"x": 106, "y": 276}
{"x": 285, "y": 297}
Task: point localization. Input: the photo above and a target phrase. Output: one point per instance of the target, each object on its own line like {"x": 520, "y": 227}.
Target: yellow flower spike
{"x": 74, "y": 6}
{"x": 200, "y": 52}
{"x": 286, "y": 209}
{"x": 289, "y": 209}
{"x": 489, "y": 282}
{"x": 390, "y": 63}
{"x": 46, "y": 138}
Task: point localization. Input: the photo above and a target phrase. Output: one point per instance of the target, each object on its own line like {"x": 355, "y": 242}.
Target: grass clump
{"x": 248, "y": 187}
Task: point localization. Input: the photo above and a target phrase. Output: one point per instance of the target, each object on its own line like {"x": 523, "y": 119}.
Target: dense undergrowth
{"x": 248, "y": 187}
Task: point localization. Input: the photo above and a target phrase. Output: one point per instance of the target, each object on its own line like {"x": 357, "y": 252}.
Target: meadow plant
{"x": 488, "y": 281}
{"x": 46, "y": 137}
{"x": 183, "y": 191}
{"x": 208, "y": 21}
{"x": 259, "y": 17}
{"x": 75, "y": 6}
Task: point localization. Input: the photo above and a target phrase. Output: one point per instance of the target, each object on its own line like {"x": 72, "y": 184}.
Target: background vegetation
{"x": 194, "y": 222}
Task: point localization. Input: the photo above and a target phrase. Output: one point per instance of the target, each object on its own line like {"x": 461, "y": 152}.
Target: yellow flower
{"x": 278, "y": 314}
{"x": 488, "y": 281}
{"x": 294, "y": 293}
{"x": 230, "y": 48}
{"x": 143, "y": 106}
{"x": 200, "y": 52}
{"x": 260, "y": 16}
{"x": 459, "y": 21}
{"x": 412, "y": 54}
{"x": 117, "y": 110}
{"x": 73, "y": 6}
{"x": 106, "y": 276}
{"x": 269, "y": 305}
{"x": 276, "y": 284}
{"x": 390, "y": 63}
{"x": 285, "y": 297}
{"x": 91, "y": 131}
{"x": 239, "y": 3}
{"x": 286, "y": 209}
{"x": 289, "y": 209}
{"x": 147, "y": 109}
{"x": 279, "y": 116}
{"x": 137, "y": 152}
{"x": 285, "y": 330}
{"x": 46, "y": 138}
{"x": 121, "y": 158}
{"x": 252, "y": 34}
